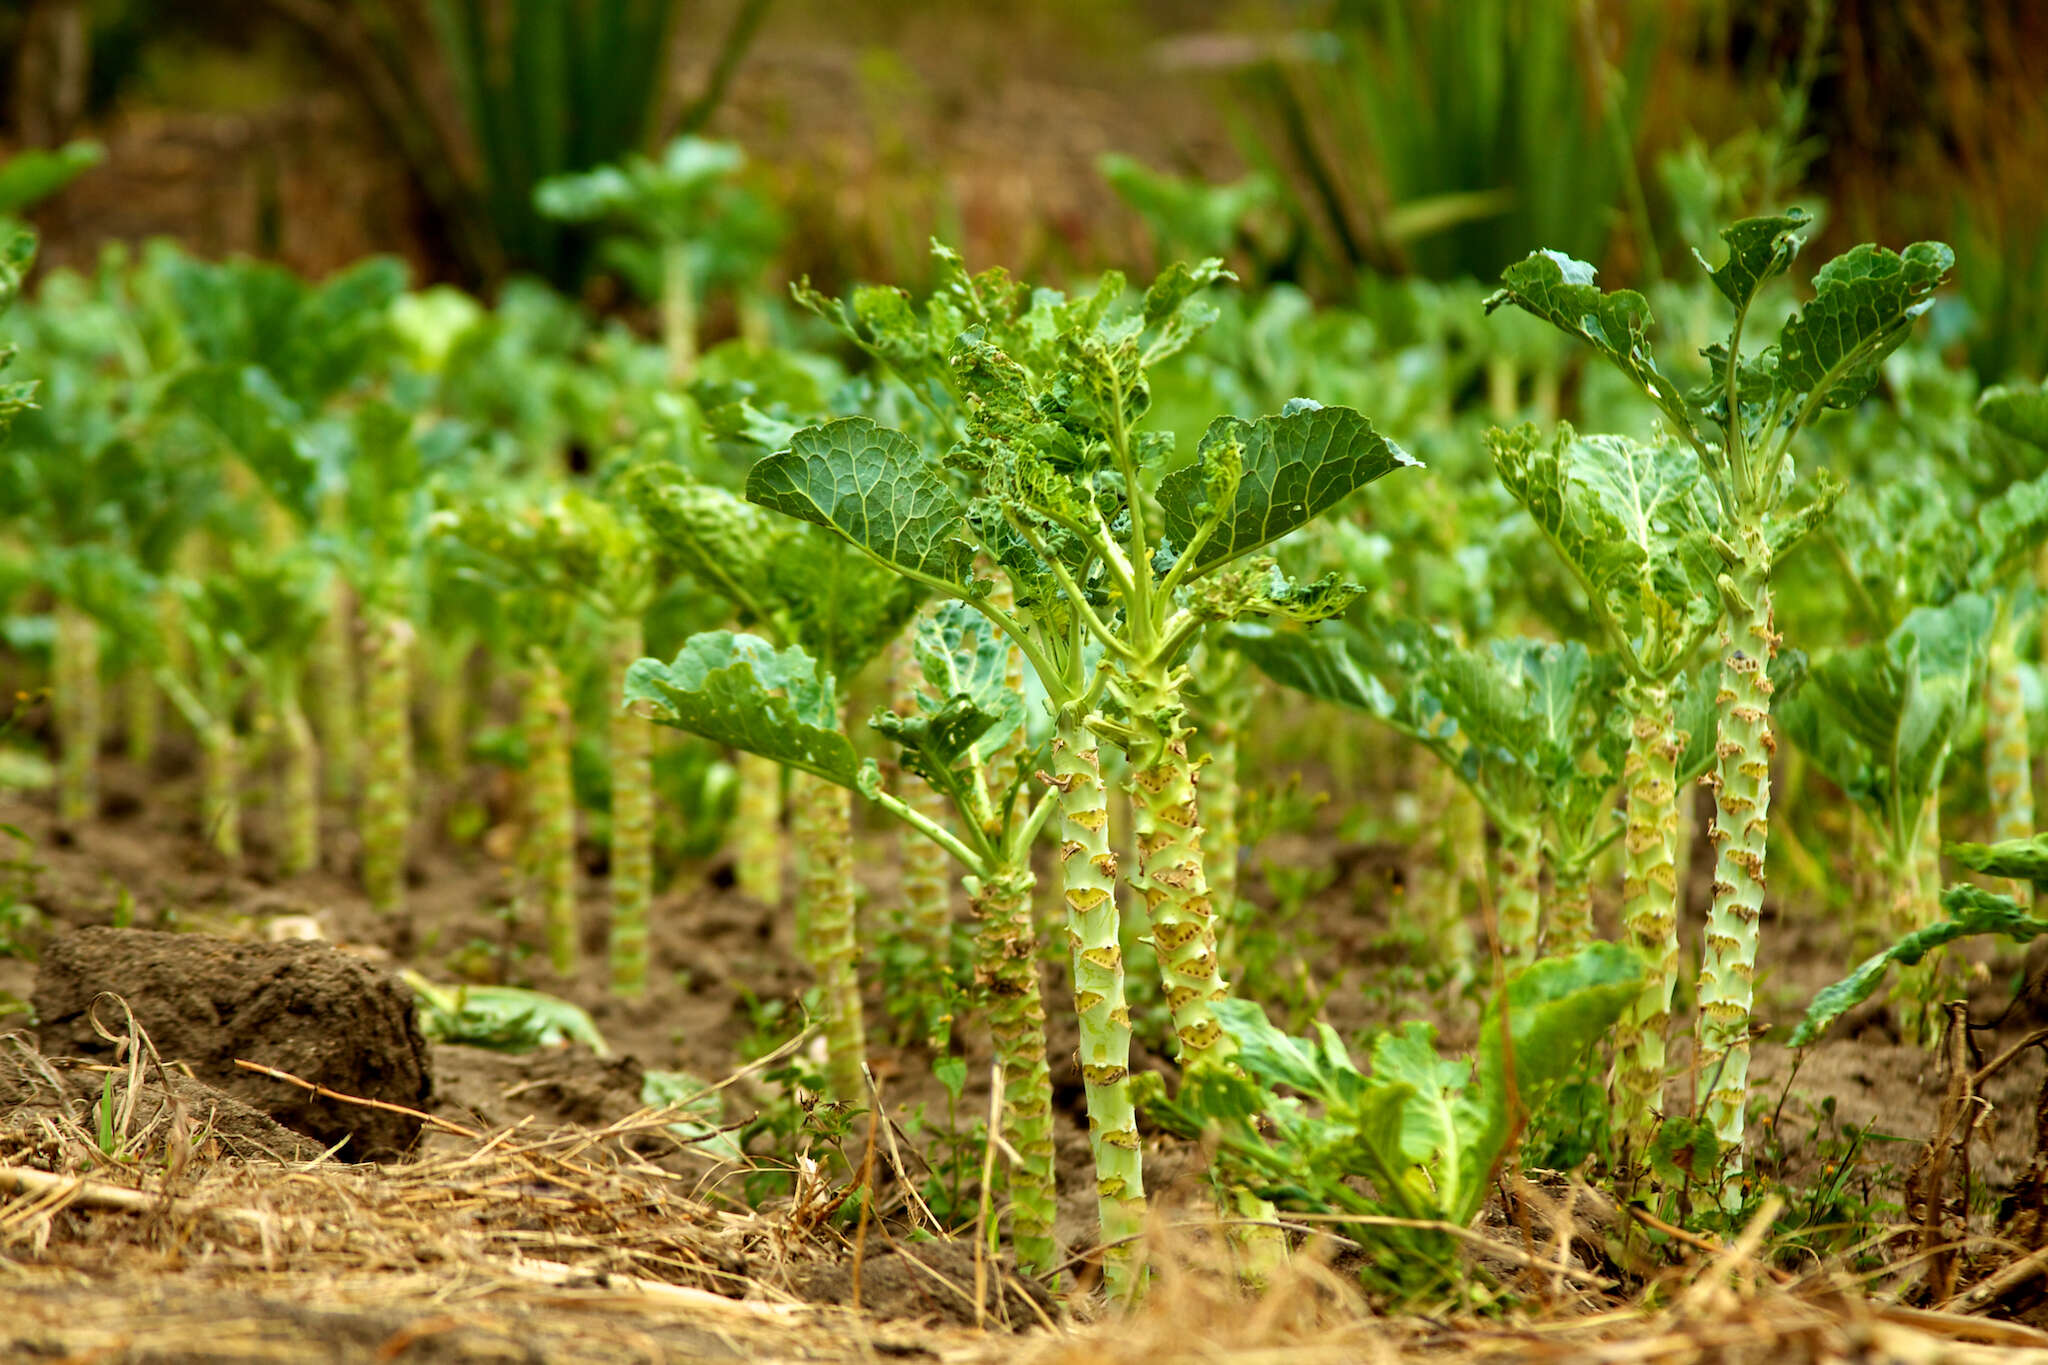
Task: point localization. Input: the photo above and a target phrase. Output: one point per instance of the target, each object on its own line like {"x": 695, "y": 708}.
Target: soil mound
{"x": 301, "y": 1007}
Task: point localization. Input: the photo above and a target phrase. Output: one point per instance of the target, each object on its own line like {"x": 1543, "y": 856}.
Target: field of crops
{"x": 1153, "y": 813}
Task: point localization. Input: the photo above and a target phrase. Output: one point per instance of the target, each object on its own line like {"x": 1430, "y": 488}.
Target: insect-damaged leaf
{"x": 1971, "y": 910}
{"x": 873, "y": 486}
{"x": 1561, "y": 291}
{"x": 1289, "y": 468}
{"x": 741, "y": 691}
{"x": 1759, "y": 250}
{"x": 1864, "y": 303}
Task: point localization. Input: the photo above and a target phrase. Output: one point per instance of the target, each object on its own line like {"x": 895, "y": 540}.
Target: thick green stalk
{"x": 927, "y": 873}
{"x": 387, "y": 785}
{"x": 2008, "y": 758}
{"x": 1437, "y": 898}
{"x": 1006, "y": 970}
{"x": 1649, "y": 911}
{"x": 1917, "y": 904}
{"x": 678, "y": 312}
{"x": 1171, "y": 876}
{"x": 334, "y": 683}
{"x": 448, "y": 708}
{"x": 1571, "y": 907}
{"x": 632, "y": 852}
{"x": 822, "y": 822}
{"x": 300, "y": 806}
{"x": 220, "y": 802}
{"x": 1740, "y": 832}
{"x": 75, "y": 689}
{"x": 551, "y": 810}
{"x": 1090, "y": 871}
{"x": 1518, "y": 891}
{"x": 757, "y": 829}
{"x": 142, "y": 716}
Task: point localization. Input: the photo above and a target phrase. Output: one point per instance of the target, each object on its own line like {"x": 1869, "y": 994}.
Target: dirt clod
{"x": 301, "y": 1007}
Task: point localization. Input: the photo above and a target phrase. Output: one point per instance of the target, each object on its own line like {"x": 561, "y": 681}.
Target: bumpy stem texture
{"x": 1649, "y": 911}
{"x": 387, "y": 784}
{"x": 1518, "y": 893}
{"x": 824, "y": 832}
{"x": 334, "y": 675}
{"x": 757, "y": 829}
{"x": 1006, "y": 971}
{"x": 143, "y": 714}
{"x": 1089, "y": 868}
{"x": 927, "y": 872}
{"x": 448, "y": 709}
{"x": 632, "y": 852}
{"x": 301, "y": 792}
{"x": 1918, "y": 904}
{"x": 220, "y": 801}
{"x": 551, "y": 811}
{"x": 1741, "y": 783}
{"x": 1437, "y": 898}
{"x": 75, "y": 687}
{"x": 1171, "y": 875}
{"x": 2008, "y": 760}
{"x": 1571, "y": 907}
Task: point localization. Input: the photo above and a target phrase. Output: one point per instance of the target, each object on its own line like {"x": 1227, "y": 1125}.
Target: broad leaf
{"x": 2012, "y": 527}
{"x": 740, "y": 691}
{"x": 1289, "y": 470}
{"x": 1759, "y": 250}
{"x": 2016, "y": 411}
{"x": 1562, "y": 292}
{"x": 1864, "y": 304}
{"x": 873, "y": 486}
{"x": 1970, "y": 909}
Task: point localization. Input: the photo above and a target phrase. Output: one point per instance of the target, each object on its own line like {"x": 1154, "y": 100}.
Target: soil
{"x": 332, "y": 1011}
{"x": 303, "y": 1008}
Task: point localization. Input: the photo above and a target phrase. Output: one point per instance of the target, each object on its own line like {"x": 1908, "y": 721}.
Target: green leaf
{"x": 505, "y": 1018}
{"x": 30, "y": 176}
{"x": 2022, "y": 860}
{"x": 1328, "y": 664}
{"x": 740, "y": 691}
{"x": 1971, "y": 910}
{"x": 704, "y": 1128}
{"x": 1759, "y": 250}
{"x": 1291, "y": 468}
{"x": 873, "y": 486}
{"x": 1632, "y": 519}
{"x": 1556, "y": 1009}
{"x": 723, "y": 541}
{"x": 1685, "y": 1149}
{"x": 2012, "y": 527}
{"x": 1864, "y": 304}
{"x": 1561, "y": 291}
{"x": 2016, "y": 411}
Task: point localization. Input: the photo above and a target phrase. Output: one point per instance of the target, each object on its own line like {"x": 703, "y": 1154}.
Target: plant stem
{"x": 1006, "y": 970}
{"x": 632, "y": 851}
{"x": 1518, "y": 891}
{"x": 824, "y": 835}
{"x": 1090, "y": 872}
{"x": 301, "y": 803}
{"x": 1171, "y": 876}
{"x": 142, "y": 723}
{"x": 1649, "y": 911}
{"x": 220, "y": 807}
{"x": 551, "y": 810}
{"x": 334, "y": 683}
{"x": 1740, "y": 832}
{"x": 927, "y": 875}
{"x": 2008, "y": 760}
{"x": 448, "y": 707}
{"x": 387, "y": 785}
{"x": 1917, "y": 905}
{"x": 757, "y": 829}
{"x": 1571, "y": 906}
{"x": 75, "y": 692}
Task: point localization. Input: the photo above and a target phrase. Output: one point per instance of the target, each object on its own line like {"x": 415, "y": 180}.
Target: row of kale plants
{"x": 1085, "y": 533}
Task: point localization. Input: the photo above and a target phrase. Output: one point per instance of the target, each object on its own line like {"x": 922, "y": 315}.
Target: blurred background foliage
{"x": 1324, "y": 143}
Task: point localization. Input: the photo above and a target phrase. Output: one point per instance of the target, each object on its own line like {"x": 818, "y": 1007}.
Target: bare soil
{"x": 539, "y": 1211}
